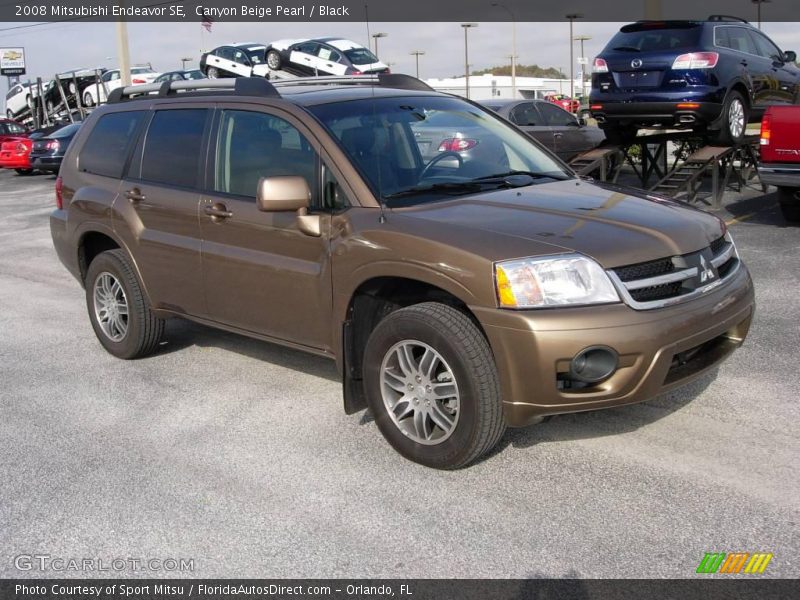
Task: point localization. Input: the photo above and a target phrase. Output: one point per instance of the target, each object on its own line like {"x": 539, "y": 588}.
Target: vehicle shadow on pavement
{"x": 181, "y": 334}
{"x": 607, "y": 422}
{"x": 763, "y": 210}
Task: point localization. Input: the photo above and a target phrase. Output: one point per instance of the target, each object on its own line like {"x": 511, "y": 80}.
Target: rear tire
{"x": 24, "y": 171}
{"x": 274, "y": 60}
{"x": 619, "y": 135}
{"x": 120, "y": 314}
{"x": 432, "y": 386}
{"x": 789, "y": 199}
{"x": 213, "y": 73}
{"x": 87, "y": 99}
{"x": 9, "y": 114}
{"x": 733, "y": 122}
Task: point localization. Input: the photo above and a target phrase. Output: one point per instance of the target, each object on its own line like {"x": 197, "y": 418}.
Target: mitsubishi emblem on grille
{"x": 706, "y": 272}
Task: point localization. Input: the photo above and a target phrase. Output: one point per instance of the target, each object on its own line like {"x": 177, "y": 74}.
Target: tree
{"x": 524, "y": 71}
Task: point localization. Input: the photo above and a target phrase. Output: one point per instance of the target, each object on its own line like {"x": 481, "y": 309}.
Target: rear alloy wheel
{"x": 213, "y": 73}
{"x": 432, "y": 386}
{"x": 120, "y": 314}
{"x": 274, "y": 60}
{"x": 789, "y": 199}
{"x": 87, "y": 99}
{"x": 734, "y": 120}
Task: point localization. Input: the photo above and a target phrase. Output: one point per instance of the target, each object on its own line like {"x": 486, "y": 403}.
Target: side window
{"x": 252, "y": 145}
{"x": 240, "y": 57}
{"x": 307, "y": 48}
{"x": 739, "y": 39}
{"x": 329, "y": 54}
{"x": 556, "y": 117}
{"x": 172, "y": 147}
{"x": 765, "y": 48}
{"x": 226, "y": 53}
{"x": 333, "y": 196}
{"x": 721, "y": 37}
{"x": 109, "y": 143}
{"x": 526, "y": 115}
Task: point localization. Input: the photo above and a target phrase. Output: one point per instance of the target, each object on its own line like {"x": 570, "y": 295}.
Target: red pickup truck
{"x": 780, "y": 156}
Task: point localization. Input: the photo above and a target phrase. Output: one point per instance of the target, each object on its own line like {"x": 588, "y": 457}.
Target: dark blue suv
{"x": 711, "y": 76}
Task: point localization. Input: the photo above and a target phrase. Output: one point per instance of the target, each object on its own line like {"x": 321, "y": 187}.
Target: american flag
{"x": 207, "y": 22}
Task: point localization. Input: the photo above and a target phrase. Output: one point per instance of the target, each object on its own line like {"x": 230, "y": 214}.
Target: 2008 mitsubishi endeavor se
{"x": 457, "y": 296}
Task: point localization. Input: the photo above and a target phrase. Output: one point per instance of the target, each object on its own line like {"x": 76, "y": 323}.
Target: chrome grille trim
{"x": 624, "y": 288}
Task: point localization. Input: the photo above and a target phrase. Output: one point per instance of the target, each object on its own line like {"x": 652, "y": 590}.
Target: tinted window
{"x": 735, "y": 38}
{"x": 14, "y": 128}
{"x": 67, "y": 131}
{"x": 360, "y": 56}
{"x": 106, "y": 150}
{"x": 257, "y": 55}
{"x": 525, "y": 115}
{"x": 226, "y": 53}
{"x": 253, "y": 145}
{"x": 307, "y": 47}
{"x": 556, "y": 117}
{"x": 648, "y": 38}
{"x": 765, "y": 48}
{"x": 172, "y": 147}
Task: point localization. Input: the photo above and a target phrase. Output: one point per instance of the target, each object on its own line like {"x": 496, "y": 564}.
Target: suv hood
{"x": 611, "y": 224}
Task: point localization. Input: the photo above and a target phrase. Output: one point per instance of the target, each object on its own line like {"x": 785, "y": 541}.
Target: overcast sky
{"x": 55, "y": 47}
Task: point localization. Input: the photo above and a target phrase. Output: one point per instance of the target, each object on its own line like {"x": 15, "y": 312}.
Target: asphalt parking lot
{"x": 237, "y": 454}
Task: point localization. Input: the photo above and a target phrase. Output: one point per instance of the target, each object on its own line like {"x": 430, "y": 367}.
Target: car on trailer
{"x": 712, "y": 76}
{"x": 240, "y": 59}
{"x": 184, "y": 75}
{"x": 323, "y": 56}
{"x": 97, "y": 91}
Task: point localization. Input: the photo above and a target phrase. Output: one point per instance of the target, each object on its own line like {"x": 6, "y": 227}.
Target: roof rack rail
{"x": 727, "y": 18}
{"x": 242, "y": 86}
{"x": 398, "y": 81}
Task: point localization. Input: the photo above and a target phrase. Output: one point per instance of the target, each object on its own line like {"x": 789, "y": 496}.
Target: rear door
{"x": 261, "y": 273}
{"x": 527, "y": 117}
{"x": 329, "y": 61}
{"x": 241, "y": 63}
{"x": 568, "y": 139}
{"x": 159, "y": 200}
{"x": 303, "y": 57}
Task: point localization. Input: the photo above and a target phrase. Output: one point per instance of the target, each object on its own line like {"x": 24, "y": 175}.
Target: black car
{"x": 323, "y": 56}
{"x": 180, "y": 76}
{"x": 552, "y": 126}
{"x": 48, "y": 152}
{"x": 715, "y": 76}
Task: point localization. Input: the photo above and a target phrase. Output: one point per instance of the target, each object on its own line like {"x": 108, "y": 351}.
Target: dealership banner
{"x": 384, "y": 11}
{"x": 401, "y": 589}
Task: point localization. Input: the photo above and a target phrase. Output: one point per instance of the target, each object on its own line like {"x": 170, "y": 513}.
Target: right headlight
{"x": 564, "y": 280}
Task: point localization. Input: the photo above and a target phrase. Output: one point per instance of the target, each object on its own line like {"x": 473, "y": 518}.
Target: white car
{"x": 18, "y": 99}
{"x": 111, "y": 80}
{"x": 240, "y": 59}
{"x": 323, "y": 56}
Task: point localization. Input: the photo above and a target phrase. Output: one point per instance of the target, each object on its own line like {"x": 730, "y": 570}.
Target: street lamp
{"x": 377, "y": 36}
{"x": 758, "y": 3}
{"x": 572, "y": 17}
{"x": 184, "y": 61}
{"x": 584, "y": 63}
{"x": 513, "y": 47}
{"x": 416, "y": 54}
{"x": 467, "y": 27}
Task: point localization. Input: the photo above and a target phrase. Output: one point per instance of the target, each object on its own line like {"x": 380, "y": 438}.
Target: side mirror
{"x": 282, "y": 194}
{"x": 582, "y": 121}
{"x": 790, "y": 56}
{"x": 285, "y": 194}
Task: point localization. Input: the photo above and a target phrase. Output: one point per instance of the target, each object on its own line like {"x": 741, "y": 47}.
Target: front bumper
{"x": 532, "y": 347}
{"x": 780, "y": 174}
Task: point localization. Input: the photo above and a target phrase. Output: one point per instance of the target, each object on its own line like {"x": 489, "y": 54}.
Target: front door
{"x": 261, "y": 273}
{"x": 567, "y": 135}
{"x": 528, "y": 118}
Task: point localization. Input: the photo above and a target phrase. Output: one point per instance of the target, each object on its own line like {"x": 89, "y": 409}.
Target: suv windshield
{"x": 656, "y": 37}
{"x": 422, "y": 148}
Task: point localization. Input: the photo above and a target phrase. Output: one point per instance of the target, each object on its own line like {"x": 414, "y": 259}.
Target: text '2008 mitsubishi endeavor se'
{"x": 457, "y": 296}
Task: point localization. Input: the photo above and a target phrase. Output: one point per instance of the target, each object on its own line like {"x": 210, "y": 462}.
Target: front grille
{"x": 664, "y": 281}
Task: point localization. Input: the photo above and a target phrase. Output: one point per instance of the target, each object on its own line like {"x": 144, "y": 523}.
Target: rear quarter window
{"x": 109, "y": 143}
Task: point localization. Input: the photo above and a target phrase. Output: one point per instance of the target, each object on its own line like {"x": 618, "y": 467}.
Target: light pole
{"x": 416, "y": 54}
{"x": 467, "y": 27}
{"x": 758, "y": 3}
{"x": 513, "y": 47}
{"x": 376, "y": 37}
{"x": 572, "y": 17}
{"x": 585, "y": 63}
{"x": 183, "y": 63}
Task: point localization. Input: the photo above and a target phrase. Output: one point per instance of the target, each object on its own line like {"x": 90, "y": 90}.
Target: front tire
{"x": 433, "y": 387}
{"x": 87, "y": 99}
{"x": 274, "y": 60}
{"x": 213, "y": 73}
{"x": 789, "y": 200}
{"x": 120, "y": 314}
{"x": 9, "y": 114}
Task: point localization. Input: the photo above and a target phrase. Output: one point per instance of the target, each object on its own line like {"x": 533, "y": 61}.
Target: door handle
{"x": 218, "y": 211}
{"x": 135, "y": 195}
{"x": 743, "y": 63}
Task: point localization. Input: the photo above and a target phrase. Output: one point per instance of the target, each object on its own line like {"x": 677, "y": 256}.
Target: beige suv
{"x": 458, "y": 295}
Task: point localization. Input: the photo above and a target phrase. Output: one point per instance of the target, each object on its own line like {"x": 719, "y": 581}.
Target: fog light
{"x": 594, "y": 364}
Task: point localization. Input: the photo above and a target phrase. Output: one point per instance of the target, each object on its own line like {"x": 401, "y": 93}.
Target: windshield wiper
{"x": 627, "y": 49}
{"x": 521, "y": 178}
{"x": 454, "y": 188}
